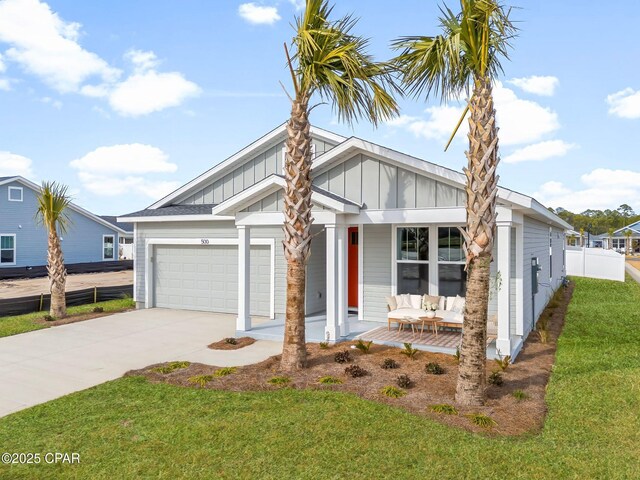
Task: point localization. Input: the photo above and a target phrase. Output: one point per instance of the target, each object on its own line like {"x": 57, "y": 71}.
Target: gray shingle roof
{"x": 113, "y": 220}
{"x": 201, "y": 209}
{"x": 335, "y": 196}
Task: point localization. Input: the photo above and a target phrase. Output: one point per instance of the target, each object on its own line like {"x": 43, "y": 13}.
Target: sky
{"x": 126, "y": 101}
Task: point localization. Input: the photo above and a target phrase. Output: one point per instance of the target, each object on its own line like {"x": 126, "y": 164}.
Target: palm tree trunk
{"x": 297, "y": 231}
{"x": 57, "y": 276}
{"x": 482, "y": 188}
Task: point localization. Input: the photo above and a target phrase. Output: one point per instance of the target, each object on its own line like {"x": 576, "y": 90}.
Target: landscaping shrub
{"x": 409, "y": 351}
{"x": 342, "y": 357}
{"x": 481, "y": 420}
{"x": 48, "y": 318}
{"x": 171, "y": 367}
{"x": 389, "y": 363}
{"x": 364, "y": 347}
{"x": 224, "y": 371}
{"x": 231, "y": 341}
{"x": 404, "y": 381}
{"x": 392, "y": 392}
{"x": 495, "y": 379}
{"x": 355, "y": 371}
{"x": 329, "y": 380}
{"x": 433, "y": 368}
{"x": 200, "y": 380}
{"x": 444, "y": 408}
{"x": 323, "y": 345}
{"x": 98, "y": 309}
{"x": 503, "y": 362}
{"x": 519, "y": 395}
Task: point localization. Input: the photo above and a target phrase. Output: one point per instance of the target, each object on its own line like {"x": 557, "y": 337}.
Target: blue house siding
{"x": 82, "y": 243}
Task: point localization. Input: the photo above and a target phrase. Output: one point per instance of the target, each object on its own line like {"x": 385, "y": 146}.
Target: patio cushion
{"x": 449, "y": 316}
{"x": 391, "y": 301}
{"x": 406, "y": 312}
{"x": 442, "y": 303}
{"x": 458, "y": 305}
{"x": 432, "y": 299}
{"x": 450, "y": 301}
{"x": 403, "y": 301}
{"x": 416, "y": 301}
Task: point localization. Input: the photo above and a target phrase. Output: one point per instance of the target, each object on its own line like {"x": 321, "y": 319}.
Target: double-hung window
{"x": 452, "y": 277}
{"x": 8, "y": 249}
{"x": 412, "y": 259}
{"x": 108, "y": 250}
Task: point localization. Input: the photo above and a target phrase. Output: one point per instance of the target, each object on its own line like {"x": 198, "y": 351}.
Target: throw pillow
{"x": 450, "y": 301}
{"x": 416, "y": 302}
{"x": 432, "y": 299}
{"x": 403, "y": 301}
{"x": 391, "y": 301}
{"x": 442, "y": 303}
{"x": 458, "y": 304}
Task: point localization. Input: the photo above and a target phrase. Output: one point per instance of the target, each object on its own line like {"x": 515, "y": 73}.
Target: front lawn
{"x": 130, "y": 428}
{"x": 34, "y": 321}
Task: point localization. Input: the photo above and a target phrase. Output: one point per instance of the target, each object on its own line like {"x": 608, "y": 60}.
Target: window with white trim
{"x": 412, "y": 260}
{"x": 8, "y": 249}
{"x": 550, "y": 255}
{"x": 452, "y": 277}
{"x": 108, "y": 243}
{"x": 15, "y": 194}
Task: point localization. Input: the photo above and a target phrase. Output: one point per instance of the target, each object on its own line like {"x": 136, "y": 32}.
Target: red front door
{"x": 352, "y": 271}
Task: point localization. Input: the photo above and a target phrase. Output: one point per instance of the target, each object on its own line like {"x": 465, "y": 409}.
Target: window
{"x": 619, "y": 243}
{"x": 413, "y": 260}
{"x": 107, "y": 247}
{"x": 15, "y": 194}
{"x": 452, "y": 277}
{"x": 550, "y": 255}
{"x": 7, "y": 249}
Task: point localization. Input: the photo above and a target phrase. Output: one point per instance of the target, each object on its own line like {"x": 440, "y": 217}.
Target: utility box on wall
{"x": 535, "y": 269}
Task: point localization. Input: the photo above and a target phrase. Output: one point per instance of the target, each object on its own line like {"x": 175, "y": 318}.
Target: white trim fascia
{"x": 204, "y": 242}
{"x": 333, "y": 204}
{"x": 115, "y": 246}
{"x": 72, "y": 206}
{"x": 623, "y": 229}
{"x": 277, "y": 218}
{"x": 9, "y": 180}
{"x": 394, "y": 259}
{"x": 175, "y": 218}
{"x": 240, "y": 156}
{"x": 20, "y": 189}
{"x": 444, "y": 215}
{"x": 15, "y": 249}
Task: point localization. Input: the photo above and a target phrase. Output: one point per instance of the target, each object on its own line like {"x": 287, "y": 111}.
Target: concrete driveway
{"x": 39, "y": 366}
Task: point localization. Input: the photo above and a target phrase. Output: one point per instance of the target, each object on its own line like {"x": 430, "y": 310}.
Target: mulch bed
{"x": 530, "y": 374}
{"x": 225, "y": 345}
{"x": 78, "y": 317}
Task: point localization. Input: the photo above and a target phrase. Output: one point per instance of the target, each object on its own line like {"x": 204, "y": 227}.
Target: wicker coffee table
{"x": 432, "y": 321}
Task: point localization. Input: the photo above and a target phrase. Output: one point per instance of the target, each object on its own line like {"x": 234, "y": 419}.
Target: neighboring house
{"x": 618, "y": 241}
{"x": 126, "y": 249}
{"x": 23, "y": 243}
{"x": 385, "y": 223}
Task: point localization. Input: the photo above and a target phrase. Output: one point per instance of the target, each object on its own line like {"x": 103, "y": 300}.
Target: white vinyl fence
{"x": 595, "y": 263}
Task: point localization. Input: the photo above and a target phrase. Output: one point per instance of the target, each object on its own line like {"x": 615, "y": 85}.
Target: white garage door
{"x": 194, "y": 277}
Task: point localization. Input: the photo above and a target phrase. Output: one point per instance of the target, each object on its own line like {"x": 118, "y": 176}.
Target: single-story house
{"x": 23, "y": 243}
{"x": 618, "y": 241}
{"x": 385, "y": 223}
{"x": 125, "y": 240}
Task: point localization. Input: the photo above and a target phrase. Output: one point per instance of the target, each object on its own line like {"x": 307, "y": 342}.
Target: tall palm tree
{"x": 627, "y": 242}
{"x": 332, "y": 63}
{"x": 53, "y": 202}
{"x": 465, "y": 59}
{"x": 610, "y": 233}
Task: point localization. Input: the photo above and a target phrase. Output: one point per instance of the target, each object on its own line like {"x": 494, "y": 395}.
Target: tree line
{"x": 598, "y": 222}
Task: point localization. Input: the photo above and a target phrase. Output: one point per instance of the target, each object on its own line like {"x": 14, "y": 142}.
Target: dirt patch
{"x": 530, "y": 374}
{"x": 78, "y": 318}
{"x": 224, "y": 344}
{"x": 634, "y": 262}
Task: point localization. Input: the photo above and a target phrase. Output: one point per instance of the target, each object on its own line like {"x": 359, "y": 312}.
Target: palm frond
{"x": 53, "y": 202}
{"x": 334, "y": 63}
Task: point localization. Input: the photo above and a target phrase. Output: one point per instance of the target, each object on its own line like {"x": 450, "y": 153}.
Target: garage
{"x": 205, "y": 277}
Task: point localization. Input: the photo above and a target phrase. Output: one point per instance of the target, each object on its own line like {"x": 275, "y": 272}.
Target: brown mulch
{"x": 240, "y": 343}
{"x": 78, "y": 317}
{"x": 530, "y": 373}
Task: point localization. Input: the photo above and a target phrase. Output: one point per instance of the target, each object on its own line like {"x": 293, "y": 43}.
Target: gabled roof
{"x": 634, "y": 227}
{"x": 199, "y": 209}
{"x": 113, "y": 220}
{"x": 279, "y": 133}
{"x": 72, "y": 206}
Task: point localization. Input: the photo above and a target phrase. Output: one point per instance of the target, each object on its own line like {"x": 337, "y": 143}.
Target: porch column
{"x": 503, "y": 342}
{"x": 332, "y": 328}
{"x": 341, "y": 281}
{"x": 243, "y": 322}
{"x": 519, "y": 279}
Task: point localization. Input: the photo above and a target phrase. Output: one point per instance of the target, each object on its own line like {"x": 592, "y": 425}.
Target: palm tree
{"x": 582, "y": 237}
{"x": 465, "y": 59}
{"x": 610, "y": 233}
{"x": 53, "y": 202}
{"x": 328, "y": 60}
{"x": 627, "y": 242}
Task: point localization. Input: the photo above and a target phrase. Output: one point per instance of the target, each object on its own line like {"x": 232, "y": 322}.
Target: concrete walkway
{"x": 39, "y": 366}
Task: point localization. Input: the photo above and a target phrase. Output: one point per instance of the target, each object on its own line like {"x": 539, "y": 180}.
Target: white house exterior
{"x": 618, "y": 241}
{"x": 385, "y": 223}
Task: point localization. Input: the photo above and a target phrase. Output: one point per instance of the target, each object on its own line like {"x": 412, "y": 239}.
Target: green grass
{"x": 130, "y": 428}
{"x": 27, "y": 323}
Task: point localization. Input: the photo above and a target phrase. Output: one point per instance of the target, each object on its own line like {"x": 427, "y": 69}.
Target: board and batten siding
{"x": 376, "y": 267}
{"x": 267, "y": 162}
{"x": 80, "y": 244}
{"x": 316, "y": 295}
{"x": 379, "y": 185}
{"x": 536, "y": 244}
{"x": 217, "y": 229}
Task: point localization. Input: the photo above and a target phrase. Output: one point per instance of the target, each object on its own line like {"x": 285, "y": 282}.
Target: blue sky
{"x": 124, "y": 101}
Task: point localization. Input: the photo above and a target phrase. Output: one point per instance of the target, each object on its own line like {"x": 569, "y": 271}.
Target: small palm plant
{"x": 331, "y": 62}
{"x": 53, "y": 202}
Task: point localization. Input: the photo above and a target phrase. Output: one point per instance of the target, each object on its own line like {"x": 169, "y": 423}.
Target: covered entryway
{"x": 205, "y": 278}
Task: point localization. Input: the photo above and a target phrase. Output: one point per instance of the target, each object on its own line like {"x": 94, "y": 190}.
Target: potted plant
{"x": 431, "y": 309}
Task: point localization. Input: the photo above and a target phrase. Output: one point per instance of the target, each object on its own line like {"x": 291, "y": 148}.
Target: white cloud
{"x": 12, "y": 164}
{"x": 124, "y": 159}
{"x": 5, "y": 84}
{"x": 298, "y": 4}
{"x": 538, "y": 85}
{"x": 118, "y": 169}
{"x": 47, "y": 46}
{"x": 142, "y": 61}
{"x": 57, "y": 104}
{"x": 3, "y": 67}
{"x": 258, "y": 14}
{"x": 625, "y": 103}
{"x": 601, "y": 188}
{"x": 540, "y": 151}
